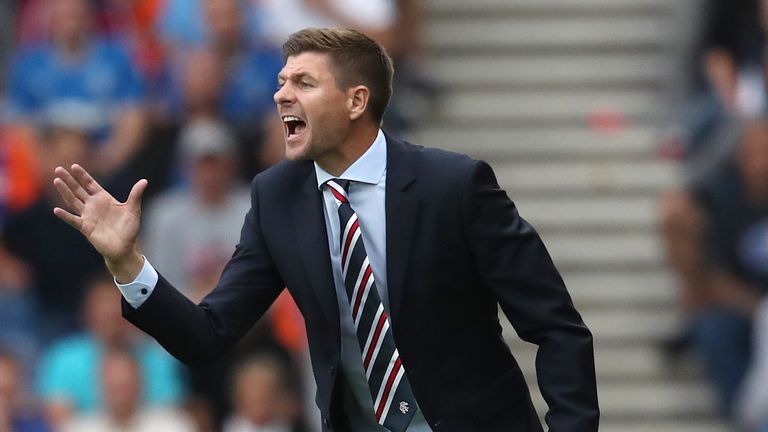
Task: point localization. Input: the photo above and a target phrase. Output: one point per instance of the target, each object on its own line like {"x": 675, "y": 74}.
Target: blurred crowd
{"x": 178, "y": 92}
{"x": 715, "y": 224}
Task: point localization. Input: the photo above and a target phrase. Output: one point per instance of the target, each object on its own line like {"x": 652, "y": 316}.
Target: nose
{"x": 283, "y": 95}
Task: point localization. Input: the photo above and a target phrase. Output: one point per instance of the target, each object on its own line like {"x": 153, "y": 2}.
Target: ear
{"x": 357, "y": 101}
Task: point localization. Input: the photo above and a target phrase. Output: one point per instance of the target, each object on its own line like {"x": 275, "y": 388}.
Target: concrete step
{"x": 617, "y": 365}
{"x": 526, "y": 143}
{"x": 572, "y": 214}
{"x": 694, "y": 424}
{"x": 564, "y": 177}
{"x": 626, "y": 326}
{"x": 610, "y": 289}
{"x": 541, "y": 70}
{"x": 577, "y": 250}
{"x": 484, "y": 107}
{"x": 507, "y": 33}
{"x": 650, "y": 402}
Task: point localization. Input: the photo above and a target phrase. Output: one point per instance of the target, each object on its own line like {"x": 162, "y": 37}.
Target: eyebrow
{"x": 295, "y": 76}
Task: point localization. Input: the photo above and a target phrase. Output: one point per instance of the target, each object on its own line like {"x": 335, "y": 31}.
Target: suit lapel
{"x": 312, "y": 239}
{"x": 401, "y": 210}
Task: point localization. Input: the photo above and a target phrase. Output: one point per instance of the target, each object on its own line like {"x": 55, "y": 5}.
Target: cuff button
{"x": 144, "y": 291}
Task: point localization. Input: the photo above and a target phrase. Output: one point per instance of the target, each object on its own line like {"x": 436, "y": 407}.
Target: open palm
{"x": 110, "y": 226}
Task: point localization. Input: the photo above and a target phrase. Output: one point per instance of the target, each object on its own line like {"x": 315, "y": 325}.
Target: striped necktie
{"x": 393, "y": 401}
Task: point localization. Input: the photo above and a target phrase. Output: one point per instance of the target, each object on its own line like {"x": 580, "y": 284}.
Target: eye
{"x": 305, "y": 85}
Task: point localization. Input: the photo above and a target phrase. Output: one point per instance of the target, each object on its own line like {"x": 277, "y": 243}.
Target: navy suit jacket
{"x": 456, "y": 249}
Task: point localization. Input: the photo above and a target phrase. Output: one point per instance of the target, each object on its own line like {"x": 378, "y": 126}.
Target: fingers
{"x": 74, "y": 221}
{"x": 88, "y": 183}
{"x": 137, "y": 191}
{"x": 72, "y": 184}
{"x": 72, "y": 201}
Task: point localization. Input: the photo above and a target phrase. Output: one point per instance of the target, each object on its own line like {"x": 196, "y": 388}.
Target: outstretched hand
{"x": 110, "y": 226}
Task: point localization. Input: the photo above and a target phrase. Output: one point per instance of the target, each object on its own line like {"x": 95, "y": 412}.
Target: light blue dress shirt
{"x": 367, "y": 194}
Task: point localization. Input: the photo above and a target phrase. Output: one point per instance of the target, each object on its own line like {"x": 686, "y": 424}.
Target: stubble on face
{"x": 312, "y": 108}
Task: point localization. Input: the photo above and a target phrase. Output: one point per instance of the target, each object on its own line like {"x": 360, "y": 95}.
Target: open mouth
{"x": 293, "y": 125}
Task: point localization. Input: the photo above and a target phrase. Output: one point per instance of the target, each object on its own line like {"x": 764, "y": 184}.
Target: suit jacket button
{"x": 332, "y": 370}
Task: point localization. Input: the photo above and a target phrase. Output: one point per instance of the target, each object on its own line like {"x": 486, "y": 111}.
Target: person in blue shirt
{"x": 78, "y": 78}
{"x": 68, "y": 381}
{"x": 248, "y": 69}
{"x": 16, "y": 413}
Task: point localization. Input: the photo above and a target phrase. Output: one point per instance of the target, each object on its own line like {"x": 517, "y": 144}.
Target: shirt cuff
{"x": 136, "y": 292}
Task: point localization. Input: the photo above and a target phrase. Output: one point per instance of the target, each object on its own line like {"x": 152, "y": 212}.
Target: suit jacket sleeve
{"x": 197, "y": 334}
{"x": 515, "y": 265}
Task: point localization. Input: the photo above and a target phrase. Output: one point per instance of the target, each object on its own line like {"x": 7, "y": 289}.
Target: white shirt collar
{"x": 368, "y": 168}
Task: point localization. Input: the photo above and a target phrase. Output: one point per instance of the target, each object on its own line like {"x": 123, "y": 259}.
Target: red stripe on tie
{"x": 339, "y": 196}
{"x": 360, "y": 290}
{"x": 351, "y": 234}
{"x": 387, "y": 389}
{"x": 375, "y": 339}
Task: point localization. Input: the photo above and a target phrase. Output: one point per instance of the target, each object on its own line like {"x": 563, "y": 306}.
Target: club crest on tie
{"x": 404, "y": 407}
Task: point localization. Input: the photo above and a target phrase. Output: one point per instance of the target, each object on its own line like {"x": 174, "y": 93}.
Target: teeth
{"x": 291, "y": 118}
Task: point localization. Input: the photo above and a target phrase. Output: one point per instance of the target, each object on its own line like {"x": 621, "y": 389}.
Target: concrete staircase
{"x": 564, "y": 98}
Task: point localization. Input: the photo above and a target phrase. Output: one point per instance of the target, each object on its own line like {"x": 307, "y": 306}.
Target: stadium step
{"x": 564, "y": 99}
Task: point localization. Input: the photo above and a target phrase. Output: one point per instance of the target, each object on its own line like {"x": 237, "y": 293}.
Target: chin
{"x": 296, "y": 154}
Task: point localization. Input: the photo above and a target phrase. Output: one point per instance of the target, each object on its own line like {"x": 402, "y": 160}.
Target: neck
{"x": 122, "y": 416}
{"x": 355, "y": 145}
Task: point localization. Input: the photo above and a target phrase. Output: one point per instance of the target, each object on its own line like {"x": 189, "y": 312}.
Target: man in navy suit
{"x": 398, "y": 257}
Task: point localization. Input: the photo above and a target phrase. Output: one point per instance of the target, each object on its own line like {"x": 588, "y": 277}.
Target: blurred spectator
{"x": 716, "y": 240}
{"x": 245, "y": 76}
{"x": 17, "y": 413}
{"x": 124, "y": 410}
{"x": 191, "y": 232}
{"x": 727, "y": 81}
{"x": 17, "y": 315}
{"x": 67, "y": 379}
{"x": 181, "y": 23}
{"x": 262, "y": 398}
{"x": 82, "y": 78}
{"x": 130, "y": 22}
{"x": 250, "y": 69}
{"x": 59, "y": 259}
{"x": 193, "y": 253}
{"x": 19, "y": 170}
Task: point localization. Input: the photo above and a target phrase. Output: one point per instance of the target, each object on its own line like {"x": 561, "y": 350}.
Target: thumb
{"x": 137, "y": 191}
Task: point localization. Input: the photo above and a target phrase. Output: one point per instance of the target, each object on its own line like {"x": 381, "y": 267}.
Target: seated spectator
{"x": 19, "y": 170}
{"x": 67, "y": 378}
{"x": 181, "y": 23}
{"x": 58, "y": 260}
{"x": 191, "y": 232}
{"x": 17, "y": 315}
{"x": 123, "y": 405}
{"x": 82, "y": 78}
{"x": 130, "y": 22}
{"x": 248, "y": 81}
{"x": 262, "y": 399}
{"x": 17, "y": 413}
{"x": 715, "y": 237}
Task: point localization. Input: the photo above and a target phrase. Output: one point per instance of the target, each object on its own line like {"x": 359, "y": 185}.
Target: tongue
{"x": 299, "y": 128}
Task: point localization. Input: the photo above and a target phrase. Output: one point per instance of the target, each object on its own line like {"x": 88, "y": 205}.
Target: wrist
{"x": 125, "y": 269}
